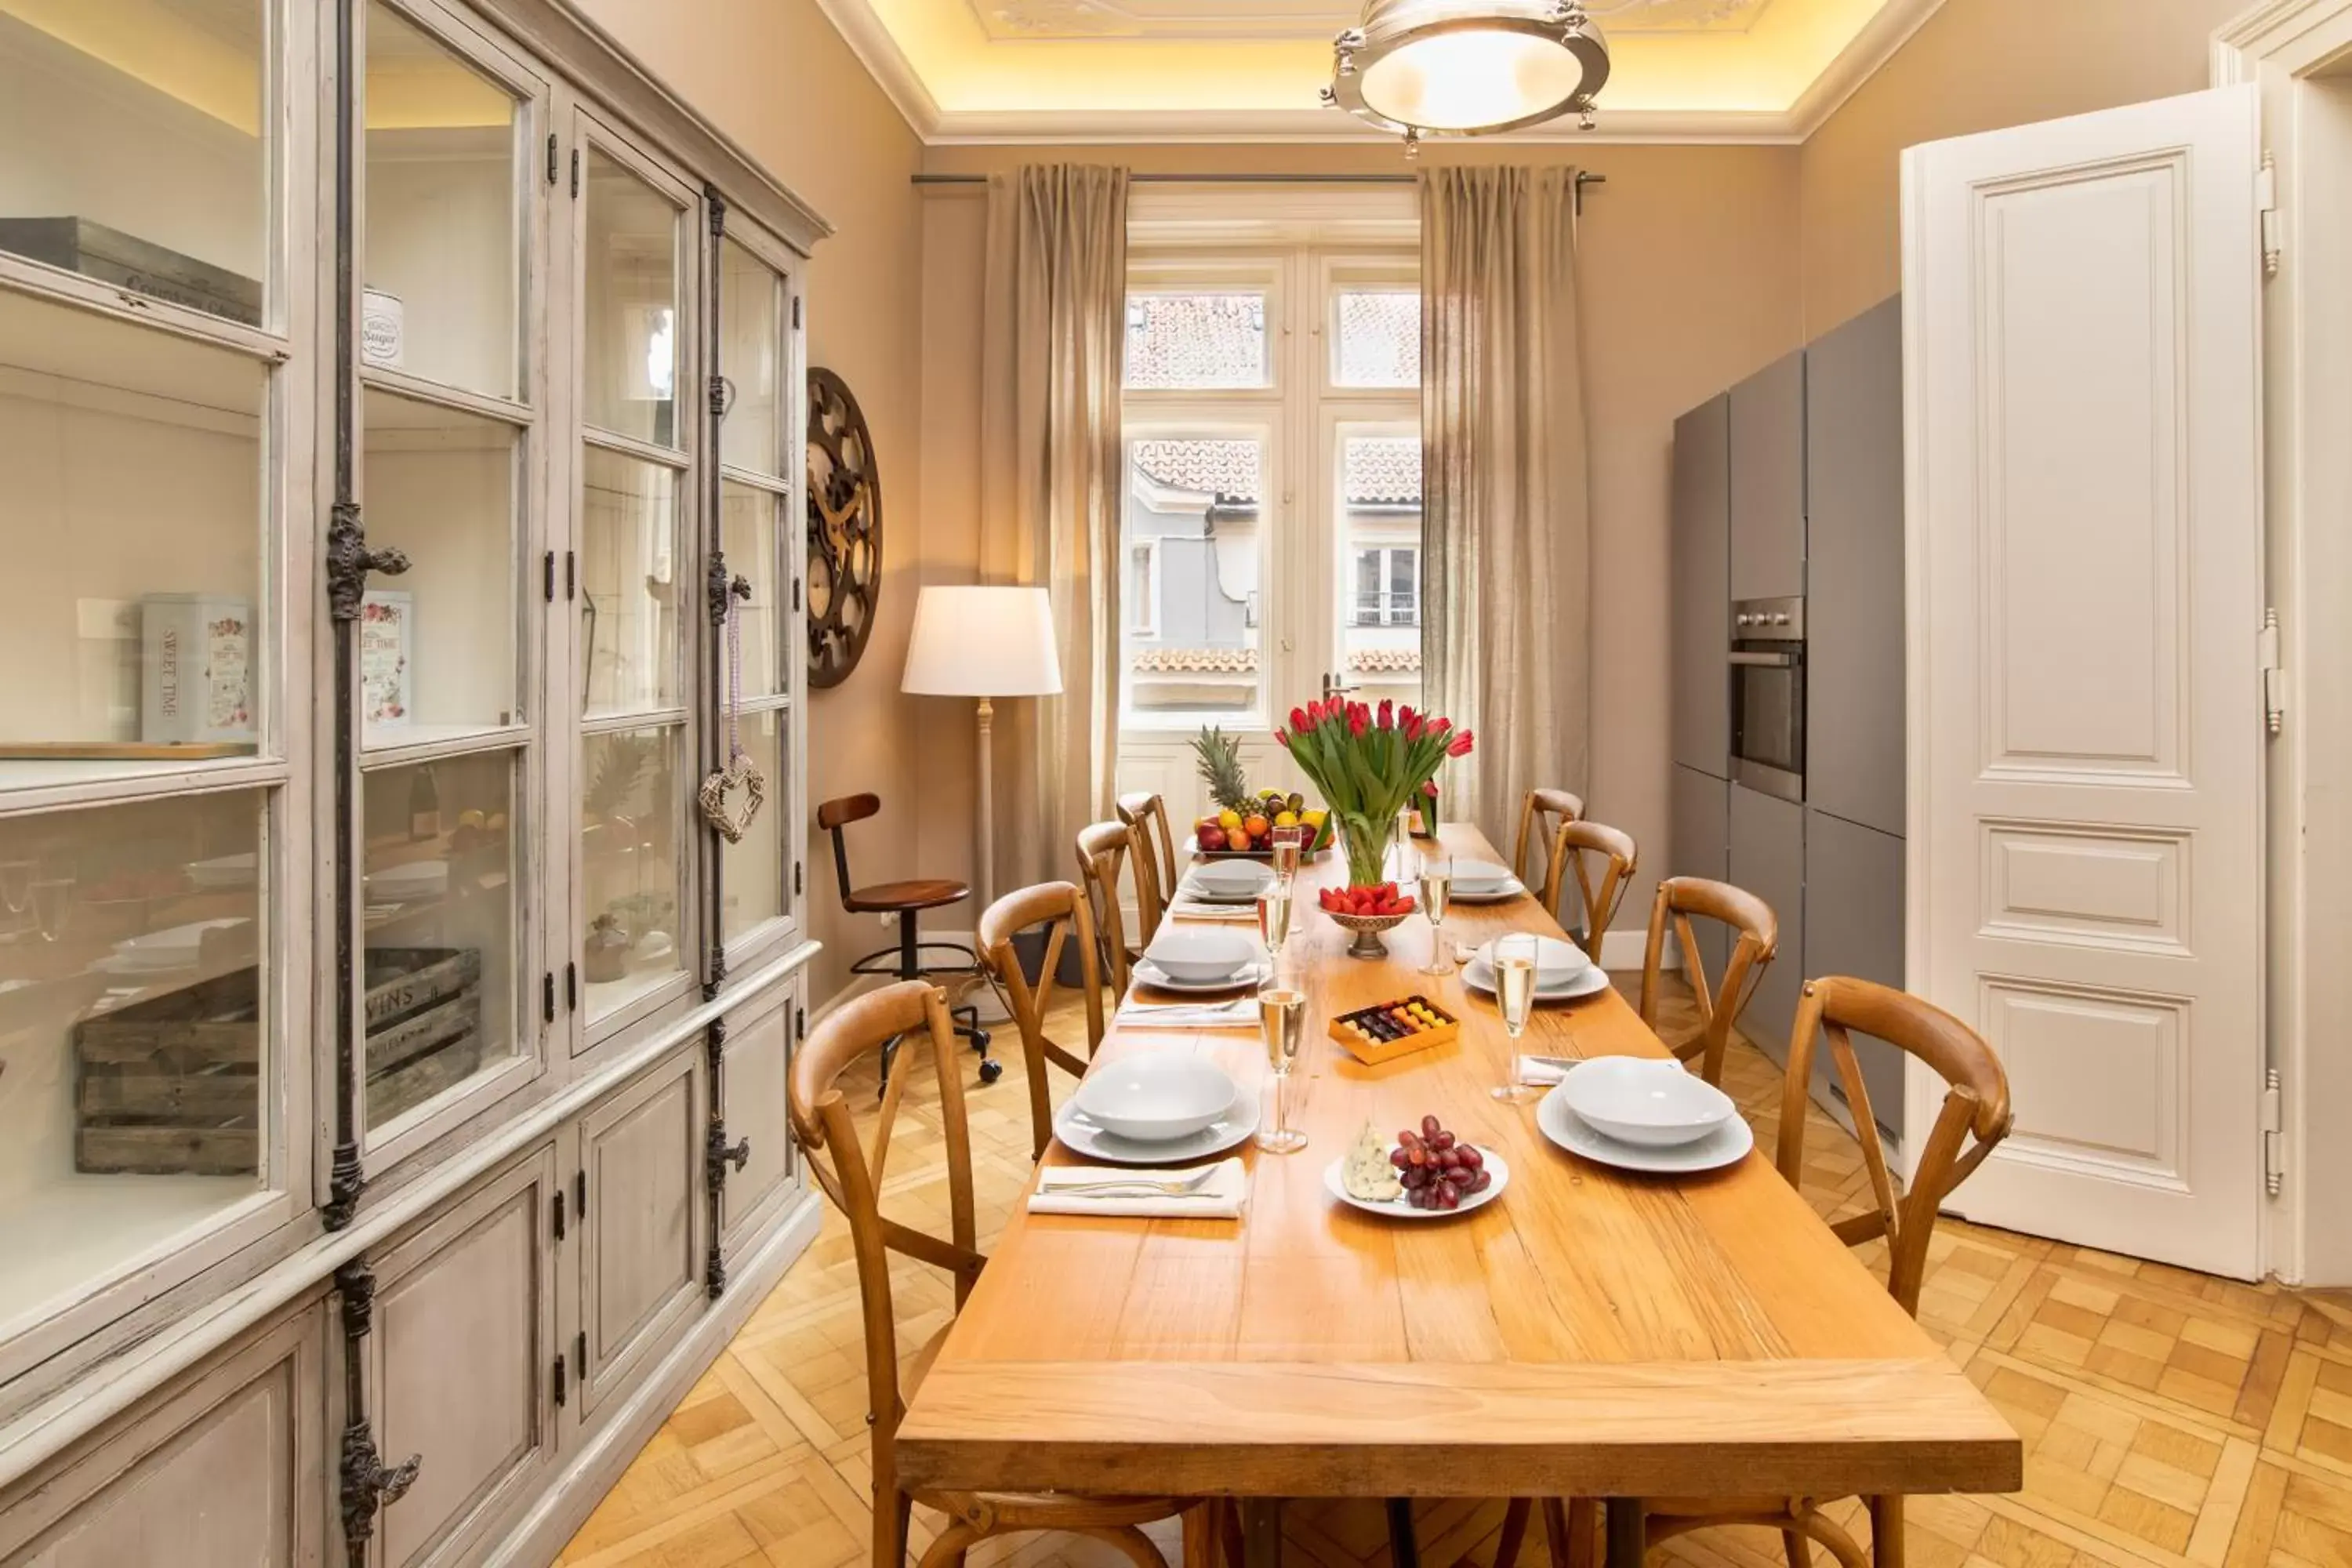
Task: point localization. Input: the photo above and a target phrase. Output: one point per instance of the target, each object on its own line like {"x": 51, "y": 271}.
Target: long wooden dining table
{"x": 1589, "y": 1333}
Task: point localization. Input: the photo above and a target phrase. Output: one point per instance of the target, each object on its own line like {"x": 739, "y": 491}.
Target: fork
{"x": 1183, "y": 1189}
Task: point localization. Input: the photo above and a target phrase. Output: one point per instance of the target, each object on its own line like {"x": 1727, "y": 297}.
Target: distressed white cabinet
{"x": 403, "y": 409}
{"x": 642, "y": 1219}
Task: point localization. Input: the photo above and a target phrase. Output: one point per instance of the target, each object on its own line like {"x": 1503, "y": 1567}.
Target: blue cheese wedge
{"x": 1366, "y": 1175}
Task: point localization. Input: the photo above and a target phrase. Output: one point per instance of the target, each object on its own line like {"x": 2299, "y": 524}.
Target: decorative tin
{"x": 384, "y": 323}
{"x": 195, "y": 668}
{"x": 387, "y": 638}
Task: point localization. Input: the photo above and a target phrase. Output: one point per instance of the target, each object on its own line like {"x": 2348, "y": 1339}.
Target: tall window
{"x": 1272, "y": 514}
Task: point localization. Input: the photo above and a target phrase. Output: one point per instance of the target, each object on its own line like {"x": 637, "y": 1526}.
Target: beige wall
{"x": 1978, "y": 65}
{"x": 1689, "y": 259}
{"x": 775, "y": 76}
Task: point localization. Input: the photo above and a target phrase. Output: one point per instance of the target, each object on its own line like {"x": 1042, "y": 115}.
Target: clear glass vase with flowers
{"x": 1368, "y": 763}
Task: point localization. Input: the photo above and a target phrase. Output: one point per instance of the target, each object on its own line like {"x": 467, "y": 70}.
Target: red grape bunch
{"x": 1438, "y": 1170}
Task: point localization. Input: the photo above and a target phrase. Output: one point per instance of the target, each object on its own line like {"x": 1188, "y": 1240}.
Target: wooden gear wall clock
{"x": 845, "y": 530}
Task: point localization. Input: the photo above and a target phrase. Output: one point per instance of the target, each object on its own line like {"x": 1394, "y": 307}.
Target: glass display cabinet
{"x": 401, "y": 405}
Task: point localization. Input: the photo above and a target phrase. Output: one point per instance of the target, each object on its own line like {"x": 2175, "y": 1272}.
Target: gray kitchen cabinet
{"x": 1699, "y": 557}
{"x": 227, "y": 1469}
{"x": 1855, "y": 696}
{"x": 1699, "y": 824}
{"x": 758, "y": 1052}
{"x": 1768, "y": 482}
{"x": 1768, "y": 859}
{"x": 459, "y": 1366}
{"x": 642, "y": 1218}
{"x": 1853, "y": 925}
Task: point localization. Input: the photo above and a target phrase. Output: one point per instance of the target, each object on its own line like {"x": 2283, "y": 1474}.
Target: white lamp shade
{"x": 983, "y": 642}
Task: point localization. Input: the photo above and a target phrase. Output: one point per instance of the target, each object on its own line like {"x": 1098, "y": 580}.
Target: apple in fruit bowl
{"x": 1211, "y": 838}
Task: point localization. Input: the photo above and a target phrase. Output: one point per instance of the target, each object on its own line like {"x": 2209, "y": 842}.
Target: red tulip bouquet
{"x": 1368, "y": 763}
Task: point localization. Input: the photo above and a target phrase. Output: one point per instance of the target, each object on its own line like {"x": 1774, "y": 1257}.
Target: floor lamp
{"x": 983, "y": 642}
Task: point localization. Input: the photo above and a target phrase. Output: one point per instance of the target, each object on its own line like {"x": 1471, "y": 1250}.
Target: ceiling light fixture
{"x": 1468, "y": 68}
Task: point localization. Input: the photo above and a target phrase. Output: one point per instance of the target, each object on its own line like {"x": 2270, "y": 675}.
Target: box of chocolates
{"x": 1392, "y": 1029}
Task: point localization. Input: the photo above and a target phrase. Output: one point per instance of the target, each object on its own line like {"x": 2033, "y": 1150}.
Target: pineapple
{"x": 1221, "y": 768}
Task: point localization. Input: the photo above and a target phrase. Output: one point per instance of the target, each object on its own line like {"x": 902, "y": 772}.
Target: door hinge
{"x": 575, "y": 170}
{"x": 559, "y": 1383}
{"x": 2273, "y": 1134}
{"x": 557, "y": 1206}
{"x": 796, "y": 310}
{"x": 546, "y": 576}
{"x": 547, "y": 997}
{"x": 2266, "y": 203}
{"x": 2273, "y": 673}
{"x": 570, "y": 987}
{"x": 551, "y": 157}
{"x": 796, "y": 595}
{"x": 796, "y": 878}
{"x": 571, "y": 573}
{"x": 800, "y": 1023}
{"x": 580, "y": 1195}
{"x": 580, "y": 1351}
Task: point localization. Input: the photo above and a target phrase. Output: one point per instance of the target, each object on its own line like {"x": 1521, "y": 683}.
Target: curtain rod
{"x": 1583, "y": 177}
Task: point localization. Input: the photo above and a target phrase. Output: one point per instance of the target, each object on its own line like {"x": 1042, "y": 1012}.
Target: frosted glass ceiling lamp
{"x": 1468, "y": 68}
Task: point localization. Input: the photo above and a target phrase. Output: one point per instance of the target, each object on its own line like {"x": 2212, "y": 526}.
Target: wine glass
{"x": 1436, "y": 895}
{"x": 1515, "y": 993}
{"x": 1289, "y": 844}
{"x": 1273, "y": 919}
{"x": 1282, "y": 1015}
{"x": 52, "y": 901}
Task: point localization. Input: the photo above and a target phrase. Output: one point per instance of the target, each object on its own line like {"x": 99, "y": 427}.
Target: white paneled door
{"x": 2086, "y": 721}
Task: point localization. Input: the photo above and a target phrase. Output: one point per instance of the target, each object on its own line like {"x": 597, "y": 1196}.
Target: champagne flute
{"x": 1289, "y": 844}
{"x": 1273, "y": 919}
{"x": 1282, "y": 1015}
{"x": 17, "y": 884}
{"x": 1514, "y": 992}
{"x": 1437, "y": 896}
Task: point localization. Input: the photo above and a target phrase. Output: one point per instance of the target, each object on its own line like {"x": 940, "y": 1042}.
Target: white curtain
{"x": 1504, "y": 559}
{"x": 1053, "y": 336}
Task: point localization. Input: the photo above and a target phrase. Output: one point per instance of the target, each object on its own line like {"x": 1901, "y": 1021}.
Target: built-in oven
{"x": 1767, "y": 696}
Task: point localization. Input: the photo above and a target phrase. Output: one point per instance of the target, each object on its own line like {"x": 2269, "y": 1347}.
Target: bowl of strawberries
{"x": 1367, "y": 910}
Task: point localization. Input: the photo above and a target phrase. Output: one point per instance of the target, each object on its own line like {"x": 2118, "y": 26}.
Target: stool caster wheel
{"x": 990, "y": 1070}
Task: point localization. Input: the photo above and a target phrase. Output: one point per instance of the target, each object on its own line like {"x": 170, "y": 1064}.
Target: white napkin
{"x": 1541, "y": 1070}
{"x": 1221, "y": 1198}
{"x": 1235, "y": 1015}
{"x": 1193, "y": 910}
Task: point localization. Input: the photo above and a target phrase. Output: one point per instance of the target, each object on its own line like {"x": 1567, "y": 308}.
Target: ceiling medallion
{"x": 1468, "y": 68}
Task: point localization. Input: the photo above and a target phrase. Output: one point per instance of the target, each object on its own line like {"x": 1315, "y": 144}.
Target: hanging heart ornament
{"x": 732, "y": 820}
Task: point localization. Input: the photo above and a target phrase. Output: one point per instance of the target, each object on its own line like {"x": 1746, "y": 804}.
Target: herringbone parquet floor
{"x": 2170, "y": 1420}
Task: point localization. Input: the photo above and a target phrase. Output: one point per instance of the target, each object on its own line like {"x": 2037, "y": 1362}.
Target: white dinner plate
{"x": 1396, "y": 1208}
{"x": 1500, "y": 893}
{"x": 1149, "y": 973}
{"x": 1081, "y": 1136}
{"x": 1477, "y": 975}
{"x": 1198, "y": 893}
{"x": 1726, "y": 1145}
{"x": 1235, "y": 880}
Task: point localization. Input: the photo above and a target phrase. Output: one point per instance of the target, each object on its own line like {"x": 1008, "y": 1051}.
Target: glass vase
{"x": 1365, "y": 841}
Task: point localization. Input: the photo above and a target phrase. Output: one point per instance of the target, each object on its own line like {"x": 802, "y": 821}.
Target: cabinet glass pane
{"x": 629, "y": 601}
{"x": 131, "y": 524}
{"x": 632, "y": 852}
{"x": 132, "y": 146}
{"x": 443, "y": 486}
{"x": 134, "y": 1039}
{"x": 438, "y": 883}
{"x": 441, "y": 262}
{"x": 747, "y": 530}
{"x": 752, "y": 872}
{"x": 629, "y": 374}
{"x": 749, "y": 348}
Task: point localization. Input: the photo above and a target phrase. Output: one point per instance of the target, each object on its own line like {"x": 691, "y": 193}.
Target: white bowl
{"x": 1188, "y": 953}
{"x": 1155, "y": 1098}
{"x": 1651, "y": 1104}
{"x": 1236, "y": 879}
{"x": 1480, "y": 877}
{"x": 1557, "y": 963}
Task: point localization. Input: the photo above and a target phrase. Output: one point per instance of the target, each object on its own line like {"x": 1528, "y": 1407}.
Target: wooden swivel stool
{"x": 907, "y": 901}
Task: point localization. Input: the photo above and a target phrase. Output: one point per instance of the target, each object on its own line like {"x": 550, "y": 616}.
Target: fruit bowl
{"x": 1368, "y": 929}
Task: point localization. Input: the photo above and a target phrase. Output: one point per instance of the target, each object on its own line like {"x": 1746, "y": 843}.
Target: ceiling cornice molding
{"x": 1630, "y": 127}
{"x": 1881, "y": 37}
{"x": 871, "y": 42}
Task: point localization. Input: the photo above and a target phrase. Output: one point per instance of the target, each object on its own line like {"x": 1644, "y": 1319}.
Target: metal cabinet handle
{"x": 1766, "y": 660}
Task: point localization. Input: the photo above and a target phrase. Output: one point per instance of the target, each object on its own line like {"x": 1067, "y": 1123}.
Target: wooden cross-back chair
{"x": 1602, "y": 892}
{"x": 1153, "y": 849}
{"x": 1101, "y": 848}
{"x": 1541, "y": 817}
{"x": 1061, "y": 908}
{"x": 851, "y": 1173}
{"x": 1974, "y": 1119}
{"x": 1719, "y": 1006}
